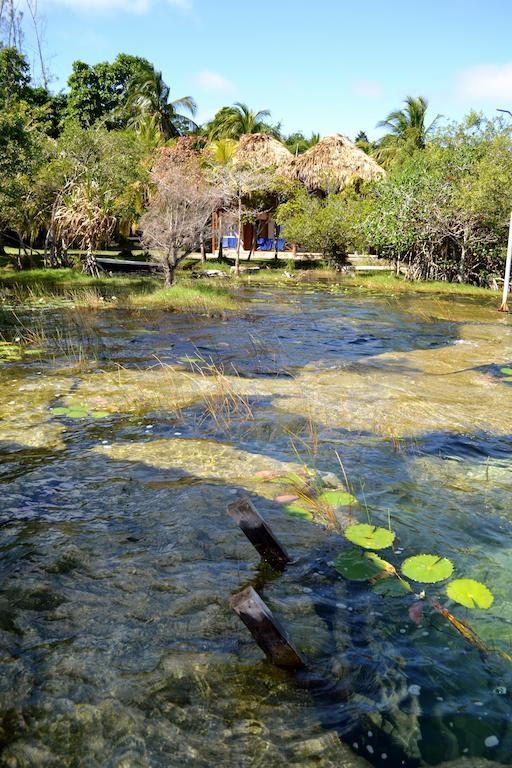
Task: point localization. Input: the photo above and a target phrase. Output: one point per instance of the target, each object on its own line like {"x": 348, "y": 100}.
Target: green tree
{"x": 14, "y": 77}
{"x": 330, "y": 226}
{"x": 237, "y": 120}
{"x": 100, "y": 92}
{"x": 93, "y": 176}
{"x": 444, "y": 211}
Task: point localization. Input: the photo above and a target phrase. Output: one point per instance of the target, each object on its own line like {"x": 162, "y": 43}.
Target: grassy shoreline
{"x": 69, "y": 287}
{"x": 198, "y": 295}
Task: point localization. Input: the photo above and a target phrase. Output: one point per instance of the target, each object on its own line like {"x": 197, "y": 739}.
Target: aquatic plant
{"x": 470, "y": 593}
{"x": 355, "y": 565}
{"x": 428, "y": 569}
{"x": 360, "y": 565}
{"x": 13, "y": 352}
{"x": 79, "y": 412}
{"x": 370, "y": 536}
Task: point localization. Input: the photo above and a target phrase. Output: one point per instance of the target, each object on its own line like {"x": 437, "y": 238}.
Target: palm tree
{"x": 407, "y": 130}
{"x": 297, "y": 143}
{"x": 221, "y": 151}
{"x": 148, "y": 95}
{"x": 233, "y": 122}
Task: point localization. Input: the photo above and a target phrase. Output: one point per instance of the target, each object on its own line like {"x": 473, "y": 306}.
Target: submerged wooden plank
{"x": 266, "y": 630}
{"x": 259, "y": 533}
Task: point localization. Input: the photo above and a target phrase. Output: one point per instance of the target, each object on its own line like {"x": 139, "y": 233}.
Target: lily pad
{"x": 470, "y": 593}
{"x": 355, "y": 565}
{"x": 370, "y": 536}
{"x": 507, "y": 371}
{"x": 339, "y": 498}
{"x": 100, "y": 414}
{"x": 71, "y": 412}
{"x": 77, "y": 413}
{"x": 392, "y": 587}
{"x": 427, "y": 568}
{"x": 297, "y": 510}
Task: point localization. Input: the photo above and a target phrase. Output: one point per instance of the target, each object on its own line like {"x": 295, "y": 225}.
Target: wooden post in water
{"x": 266, "y": 630}
{"x": 258, "y": 533}
{"x": 508, "y": 264}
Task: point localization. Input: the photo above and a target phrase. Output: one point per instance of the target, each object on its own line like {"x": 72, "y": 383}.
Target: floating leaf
{"x": 188, "y": 359}
{"x": 100, "y": 414}
{"x": 360, "y": 566}
{"x": 392, "y": 587}
{"x": 296, "y": 510}
{"x": 77, "y": 413}
{"x": 427, "y": 568}
{"x": 60, "y": 411}
{"x": 71, "y": 412}
{"x": 507, "y": 371}
{"x": 470, "y": 593}
{"x": 337, "y": 498}
{"x": 369, "y": 536}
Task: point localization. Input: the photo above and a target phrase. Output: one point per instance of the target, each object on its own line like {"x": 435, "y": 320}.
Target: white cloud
{"x": 212, "y": 81}
{"x": 367, "y": 89}
{"x": 486, "y": 82}
{"x": 107, "y": 6}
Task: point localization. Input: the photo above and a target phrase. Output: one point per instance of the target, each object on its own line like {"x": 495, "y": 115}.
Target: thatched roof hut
{"x": 332, "y": 163}
{"x": 263, "y": 151}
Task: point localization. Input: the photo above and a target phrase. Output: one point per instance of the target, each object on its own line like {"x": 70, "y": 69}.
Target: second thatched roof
{"x": 263, "y": 151}
{"x": 333, "y": 163}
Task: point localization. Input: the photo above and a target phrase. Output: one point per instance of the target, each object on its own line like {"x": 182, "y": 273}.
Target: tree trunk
{"x": 256, "y": 227}
{"x": 169, "y": 265}
{"x": 91, "y": 265}
{"x": 63, "y": 254}
{"x": 277, "y": 230}
{"x": 237, "y": 260}
{"x": 462, "y": 261}
{"x": 203, "y": 248}
{"x": 220, "y": 255}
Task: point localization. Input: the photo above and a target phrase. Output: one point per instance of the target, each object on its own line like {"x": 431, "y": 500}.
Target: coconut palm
{"x": 237, "y": 120}
{"x": 221, "y": 151}
{"x": 408, "y": 132}
{"x": 297, "y": 143}
{"x": 148, "y": 95}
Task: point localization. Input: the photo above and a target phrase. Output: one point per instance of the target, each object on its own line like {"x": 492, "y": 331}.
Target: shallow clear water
{"x": 117, "y": 558}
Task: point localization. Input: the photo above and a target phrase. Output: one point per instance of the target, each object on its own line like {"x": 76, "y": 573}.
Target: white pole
{"x": 506, "y": 284}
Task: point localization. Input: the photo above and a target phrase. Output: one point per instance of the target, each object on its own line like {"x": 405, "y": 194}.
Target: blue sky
{"x": 326, "y": 66}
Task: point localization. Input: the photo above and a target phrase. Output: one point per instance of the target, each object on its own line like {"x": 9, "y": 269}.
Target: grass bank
{"x": 57, "y": 287}
{"x": 383, "y": 282}
{"x": 200, "y": 295}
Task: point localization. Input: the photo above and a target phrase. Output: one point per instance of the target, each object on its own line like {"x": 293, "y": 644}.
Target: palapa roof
{"x": 263, "y": 151}
{"x": 332, "y": 163}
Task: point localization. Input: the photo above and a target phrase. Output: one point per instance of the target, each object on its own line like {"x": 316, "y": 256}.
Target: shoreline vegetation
{"x": 43, "y": 287}
{"x": 115, "y": 161}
